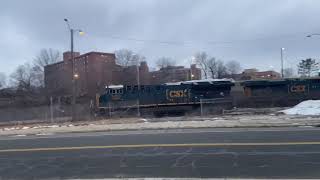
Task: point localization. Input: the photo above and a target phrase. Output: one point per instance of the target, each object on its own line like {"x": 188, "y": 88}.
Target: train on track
{"x": 210, "y": 95}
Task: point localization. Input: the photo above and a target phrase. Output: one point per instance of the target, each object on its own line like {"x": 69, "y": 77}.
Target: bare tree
{"x": 288, "y": 72}
{"x": 165, "y": 62}
{"x": 221, "y": 70}
{"x": 233, "y": 67}
{"x": 24, "y": 77}
{"x": 2, "y": 80}
{"x": 201, "y": 59}
{"x": 212, "y": 67}
{"x": 44, "y": 58}
{"x": 125, "y": 57}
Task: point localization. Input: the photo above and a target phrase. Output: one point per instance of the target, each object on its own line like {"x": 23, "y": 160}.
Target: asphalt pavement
{"x": 205, "y": 153}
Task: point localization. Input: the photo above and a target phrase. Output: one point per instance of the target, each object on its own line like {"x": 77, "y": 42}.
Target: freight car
{"x": 285, "y": 92}
{"x": 169, "y": 98}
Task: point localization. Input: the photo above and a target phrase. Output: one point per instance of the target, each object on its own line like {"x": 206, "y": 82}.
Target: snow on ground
{"x": 173, "y": 123}
{"x": 309, "y": 107}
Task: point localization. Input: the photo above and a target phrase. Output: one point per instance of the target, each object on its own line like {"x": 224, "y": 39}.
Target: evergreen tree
{"x": 307, "y": 67}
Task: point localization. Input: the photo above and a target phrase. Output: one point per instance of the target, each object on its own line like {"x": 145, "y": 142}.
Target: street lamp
{"x": 315, "y": 34}
{"x": 74, "y": 75}
{"x": 309, "y": 36}
{"x": 282, "y": 49}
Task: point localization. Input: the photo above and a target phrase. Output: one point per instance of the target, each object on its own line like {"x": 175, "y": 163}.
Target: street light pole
{"x": 73, "y": 103}
{"x": 73, "y": 74}
{"x": 309, "y": 36}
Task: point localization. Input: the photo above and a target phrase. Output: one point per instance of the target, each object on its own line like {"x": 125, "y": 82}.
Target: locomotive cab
{"x": 114, "y": 92}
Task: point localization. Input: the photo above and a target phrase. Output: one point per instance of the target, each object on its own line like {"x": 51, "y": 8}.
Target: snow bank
{"x": 309, "y": 107}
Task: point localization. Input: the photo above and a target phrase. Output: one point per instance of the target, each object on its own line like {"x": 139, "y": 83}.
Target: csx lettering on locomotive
{"x": 298, "y": 88}
{"x": 178, "y": 93}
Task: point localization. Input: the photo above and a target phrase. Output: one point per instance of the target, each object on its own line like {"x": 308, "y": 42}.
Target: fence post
{"x": 201, "y": 108}
{"x": 51, "y": 110}
{"x": 109, "y": 109}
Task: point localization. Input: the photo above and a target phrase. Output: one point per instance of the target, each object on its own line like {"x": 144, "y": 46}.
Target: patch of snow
{"x": 70, "y": 125}
{"x": 9, "y": 129}
{"x": 43, "y": 134}
{"x": 20, "y": 135}
{"x": 309, "y": 107}
{"x": 25, "y": 127}
{"x": 145, "y": 120}
{"x": 53, "y": 126}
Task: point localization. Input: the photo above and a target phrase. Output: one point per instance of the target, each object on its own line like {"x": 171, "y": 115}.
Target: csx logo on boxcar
{"x": 298, "y": 88}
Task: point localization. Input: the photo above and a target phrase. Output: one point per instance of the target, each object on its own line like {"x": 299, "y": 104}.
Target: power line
{"x": 186, "y": 43}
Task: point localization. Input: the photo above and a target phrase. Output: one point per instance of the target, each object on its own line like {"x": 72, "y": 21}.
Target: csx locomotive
{"x": 167, "y": 98}
{"x": 189, "y": 96}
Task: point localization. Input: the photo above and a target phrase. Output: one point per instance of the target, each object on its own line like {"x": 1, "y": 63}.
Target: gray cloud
{"x": 250, "y": 31}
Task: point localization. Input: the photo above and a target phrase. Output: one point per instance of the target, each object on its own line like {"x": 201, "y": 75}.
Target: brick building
{"x": 254, "y": 74}
{"x": 175, "y": 74}
{"x": 95, "y": 70}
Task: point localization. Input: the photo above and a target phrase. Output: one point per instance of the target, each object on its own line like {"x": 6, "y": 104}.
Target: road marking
{"x": 159, "y": 145}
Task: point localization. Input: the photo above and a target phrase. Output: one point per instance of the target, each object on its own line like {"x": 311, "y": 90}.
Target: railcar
{"x": 285, "y": 92}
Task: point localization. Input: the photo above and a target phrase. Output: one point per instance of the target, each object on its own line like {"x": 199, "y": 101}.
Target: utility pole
{"x": 282, "y": 76}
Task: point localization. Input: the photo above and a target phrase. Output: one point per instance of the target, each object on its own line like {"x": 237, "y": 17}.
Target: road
{"x": 234, "y": 152}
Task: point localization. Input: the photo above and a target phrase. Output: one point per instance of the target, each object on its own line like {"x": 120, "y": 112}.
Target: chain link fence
{"x": 215, "y": 106}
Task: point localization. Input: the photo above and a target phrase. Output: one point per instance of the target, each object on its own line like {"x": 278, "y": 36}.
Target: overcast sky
{"x": 249, "y": 31}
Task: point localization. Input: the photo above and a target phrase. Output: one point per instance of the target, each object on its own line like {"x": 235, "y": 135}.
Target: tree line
{"x": 210, "y": 66}
{"x": 30, "y": 75}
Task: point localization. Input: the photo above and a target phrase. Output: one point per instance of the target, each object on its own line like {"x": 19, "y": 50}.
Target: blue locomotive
{"x": 177, "y": 97}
